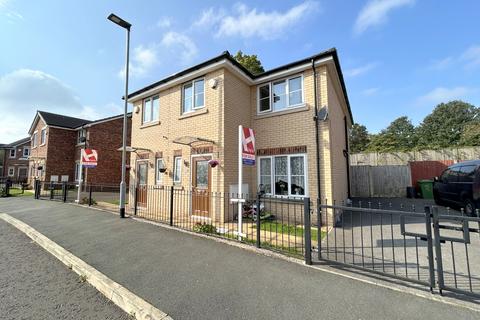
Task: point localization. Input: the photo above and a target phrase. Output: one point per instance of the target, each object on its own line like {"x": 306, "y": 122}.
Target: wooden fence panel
{"x": 380, "y": 181}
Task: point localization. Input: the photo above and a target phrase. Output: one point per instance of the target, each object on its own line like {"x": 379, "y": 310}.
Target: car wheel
{"x": 470, "y": 207}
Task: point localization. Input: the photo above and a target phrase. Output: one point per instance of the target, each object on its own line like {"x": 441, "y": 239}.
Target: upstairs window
{"x": 151, "y": 109}
{"x": 81, "y": 136}
{"x": 43, "y": 136}
{"x": 26, "y": 152}
{"x": 34, "y": 139}
{"x": 193, "y": 95}
{"x": 13, "y": 153}
{"x": 280, "y": 95}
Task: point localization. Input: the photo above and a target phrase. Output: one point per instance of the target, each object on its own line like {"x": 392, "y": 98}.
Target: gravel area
{"x": 34, "y": 285}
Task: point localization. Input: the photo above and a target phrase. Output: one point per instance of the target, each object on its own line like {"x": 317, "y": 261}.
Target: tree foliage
{"x": 452, "y": 124}
{"x": 444, "y": 127}
{"x": 251, "y": 62}
{"x": 359, "y": 138}
{"x": 400, "y": 135}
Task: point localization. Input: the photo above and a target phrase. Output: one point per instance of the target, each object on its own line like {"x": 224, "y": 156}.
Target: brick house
{"x": 14, "y": 160}
{"x": 182, "y": 122}
{"x": 56, "y": 141}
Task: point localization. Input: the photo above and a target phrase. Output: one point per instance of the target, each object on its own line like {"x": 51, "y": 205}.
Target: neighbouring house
{"x": 183, "y": 124}
{"x": 14, "y": 160}
{"x": 56, "y": 141}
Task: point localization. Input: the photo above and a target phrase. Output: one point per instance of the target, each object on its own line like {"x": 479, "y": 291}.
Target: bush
{"x": 204, "y": 228}
{"x": 85, "y": 201}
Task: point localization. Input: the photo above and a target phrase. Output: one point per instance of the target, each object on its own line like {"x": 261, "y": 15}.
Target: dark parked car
{"x": 459, "y": 185}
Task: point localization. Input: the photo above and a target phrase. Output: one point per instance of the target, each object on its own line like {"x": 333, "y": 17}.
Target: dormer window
{"x": 280, "y": 95}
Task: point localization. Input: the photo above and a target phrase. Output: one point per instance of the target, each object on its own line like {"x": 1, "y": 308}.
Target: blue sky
{"x": 399, "y": 57}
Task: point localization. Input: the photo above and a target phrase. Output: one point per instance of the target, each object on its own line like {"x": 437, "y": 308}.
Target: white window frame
{"x": 177, "y": 169}
{"x": 158, "y": 174}
{"x": 28, "y": 152}
{"x": 43, "y": 137}
{"x": 270, "y": 87}
{"x": 82, "y": 133}
{"x": 193, "y": 108}
{"x": 150, "y": 101}
{"x": 35, "y": 138}
{"x": 13, "y": 172}
{"x": 14, "y": 153}
{"x": 289, "y": 174}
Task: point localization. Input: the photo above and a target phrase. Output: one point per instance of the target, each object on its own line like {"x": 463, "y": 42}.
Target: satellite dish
{"x": 322, "y": 114}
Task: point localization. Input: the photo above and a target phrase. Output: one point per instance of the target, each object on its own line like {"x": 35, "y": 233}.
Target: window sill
{"x": 194, "y": 113}
{"x": 292, "y": 198}
{"x": 150, "y": 124}
{"x": 300, "y": 108}
{"x": 178, "y": 187}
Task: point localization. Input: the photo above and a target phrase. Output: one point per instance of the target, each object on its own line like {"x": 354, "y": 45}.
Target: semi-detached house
{"x": 183, "y": 122}
{"x": 56, "y": 141}
{"x": 14, "y": 160}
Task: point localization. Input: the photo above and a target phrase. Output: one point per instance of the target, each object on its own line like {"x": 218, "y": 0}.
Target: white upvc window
{"x": 151, "y": 109}
{"x": 43, "y": 136}
{"x": 177, "y": 170}
{"x": 13, "y": 153}
{"x": 11, "y": 171}
{"x": 284, "y": 175}
{"x": 280, "y": 94}
{"x": 159, "y": 171}
{"x": 26, "y": 152}
{"x": 34, "y": 138}
{"x": 82, "y": 133}
{"x": 193, "y": 96}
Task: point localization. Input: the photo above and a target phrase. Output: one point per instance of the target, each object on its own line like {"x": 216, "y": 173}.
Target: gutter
{"x": 347, "y": 157}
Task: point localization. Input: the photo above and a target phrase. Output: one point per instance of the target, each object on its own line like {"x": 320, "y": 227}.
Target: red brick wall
{"x": 60, "y": 153}
{"x": 38, "y": 155}
{"x": 106, "y": 138}
{"x": 17, "y": 162}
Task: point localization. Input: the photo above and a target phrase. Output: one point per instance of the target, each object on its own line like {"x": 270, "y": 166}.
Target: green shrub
{"x": 85, "y": 201}
{"x": 204, "y": 228}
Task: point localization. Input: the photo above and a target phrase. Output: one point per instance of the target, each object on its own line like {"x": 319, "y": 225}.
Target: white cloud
{"x": 370, "y": 91}
{"x": 250, "y": 22}
{"x": 180, "y": 44}
{"x": 360, "y": 70}
{"x": 164, "y": 22}
{"x": 24, "y": 91}
{"x": 472, "y": 57}
{"x": 375, "y": 13}
{"x": 442, "y": 94}
{"x": 144, "y": 59}
{"x": 11, "y": 15}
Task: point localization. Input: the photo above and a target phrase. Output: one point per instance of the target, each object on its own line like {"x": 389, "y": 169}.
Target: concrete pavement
{"x": 191, "y": 277}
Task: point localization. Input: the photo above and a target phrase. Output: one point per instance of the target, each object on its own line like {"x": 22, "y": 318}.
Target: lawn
{"x": 16, "y": 192}
{"x": 278, "y": 227}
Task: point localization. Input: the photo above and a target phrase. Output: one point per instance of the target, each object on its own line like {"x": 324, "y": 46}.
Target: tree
{"x": 250, "y": 62}
{"x": 471, "y": 135}
{"x": 400, "y": 135}
{"x": 359, "y": 138}
{"x": 444, "y": 127}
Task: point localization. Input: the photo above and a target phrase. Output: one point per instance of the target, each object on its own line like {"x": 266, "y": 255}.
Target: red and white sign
{"x": 248, "y": 146}
{"x": 89, "y": 158}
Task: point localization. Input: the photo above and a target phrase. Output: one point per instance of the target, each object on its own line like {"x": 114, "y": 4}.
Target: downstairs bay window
{"x": 283, "y": 175}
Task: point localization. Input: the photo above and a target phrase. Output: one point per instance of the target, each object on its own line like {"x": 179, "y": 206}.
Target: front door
{"x": 201, "y": 176}
{"x": 142, "y": 176}
{"x": 22, "y": 174}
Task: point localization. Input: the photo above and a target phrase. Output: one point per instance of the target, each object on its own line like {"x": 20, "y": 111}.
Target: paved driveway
{"x": 191, "y": 277}
{"x": 375, "y": 241}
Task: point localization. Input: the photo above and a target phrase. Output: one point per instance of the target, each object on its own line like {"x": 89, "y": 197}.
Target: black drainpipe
{"x": 317, "y": 139}
{"x": 347, "y": 156}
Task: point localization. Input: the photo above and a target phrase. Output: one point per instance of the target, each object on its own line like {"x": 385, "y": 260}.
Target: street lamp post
{"x": 124, "y": 24}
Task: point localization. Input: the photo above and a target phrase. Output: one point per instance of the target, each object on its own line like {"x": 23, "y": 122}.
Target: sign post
{"x": 246, "y": 155}
{"x": 88, "y": 159}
